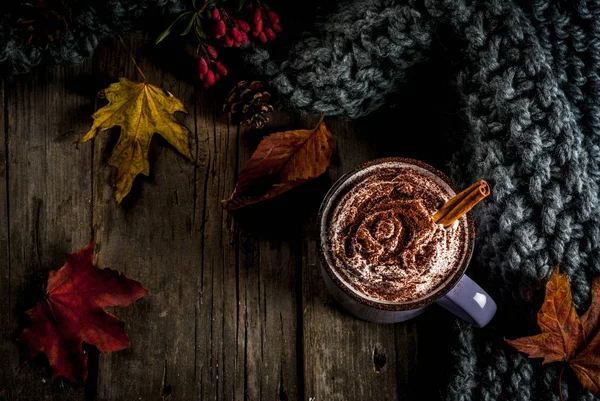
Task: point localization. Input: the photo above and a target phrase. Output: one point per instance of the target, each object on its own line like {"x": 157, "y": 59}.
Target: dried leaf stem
{"x": 133, "y": 59}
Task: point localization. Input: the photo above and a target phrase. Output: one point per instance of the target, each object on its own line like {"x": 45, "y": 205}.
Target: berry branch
{"x": 225, "y": 29}
{"x": 264, "y": 28}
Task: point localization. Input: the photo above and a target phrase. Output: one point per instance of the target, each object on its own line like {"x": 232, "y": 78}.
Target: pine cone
{"x": 45, "y": 21}
{"x": 246, "y": 104}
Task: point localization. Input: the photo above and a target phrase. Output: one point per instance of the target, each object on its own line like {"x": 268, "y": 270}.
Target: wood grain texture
{"x": 49, "y": 194}
{"x": 219, "y": 367}
{"x": 246, "y": 322}
{"x": 6, "y": 316}
{"x": 268, "y": 255}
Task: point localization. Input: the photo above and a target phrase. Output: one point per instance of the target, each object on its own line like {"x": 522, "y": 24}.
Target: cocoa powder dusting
{"x": 381, "y": 238}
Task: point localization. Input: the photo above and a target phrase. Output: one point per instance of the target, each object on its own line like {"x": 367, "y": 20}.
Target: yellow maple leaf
{"x": 141, "y": 110}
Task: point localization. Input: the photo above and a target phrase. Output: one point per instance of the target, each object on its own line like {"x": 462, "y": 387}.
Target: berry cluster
{"x": 233, "y": 31}
{"x": 210, "y": 70}
{"x": 266, "y": 22}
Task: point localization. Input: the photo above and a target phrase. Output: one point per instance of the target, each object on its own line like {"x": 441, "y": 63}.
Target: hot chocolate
{"x": 380, "y": 238}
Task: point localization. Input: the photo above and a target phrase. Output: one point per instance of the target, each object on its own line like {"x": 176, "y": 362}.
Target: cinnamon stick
{"x": 460, "y": 204}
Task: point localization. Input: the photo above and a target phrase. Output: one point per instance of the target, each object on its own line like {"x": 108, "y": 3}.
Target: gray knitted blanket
{"x": 527, "y": 76}
{"x": 92, "y": 22}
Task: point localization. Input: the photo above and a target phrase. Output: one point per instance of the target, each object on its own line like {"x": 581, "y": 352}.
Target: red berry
{"x": 209, "y": 79}
{"x": 257, "y": 15}
{"x": 270, "y": 34}
{"x": 221, "y": 68}
{"x": 273, "y": 17}
{"x": 244, "y": 39}
{"x": 202, "y": 66}
{"x": 237, "y": 35}
{"x": 211, "y": 51}
{"x": 266, "y": 6}
{"x": 217, "y": 77}
{"x": 277, "y": 28}
{"x": 258, "y": 26}
{"x": 262, "y": 37}
{"x": 228, "y": 41}
{"x": 220, "y": 29}
{"x": 215, "y": 14}
{"x": 244, "y": 26}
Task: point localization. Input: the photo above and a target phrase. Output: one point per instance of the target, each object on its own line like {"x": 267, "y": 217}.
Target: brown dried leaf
{"x": 565, "y": 336}
{"x": 562, "y": 333}
{"x": 587, "y": 365}
{"x": 282, "y": 161}
{"x": 591, "y": 318}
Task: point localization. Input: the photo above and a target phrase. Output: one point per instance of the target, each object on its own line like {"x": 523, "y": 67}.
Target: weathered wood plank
{"x": 219, "y": 365}
{"x": 6, "y": 324}
{"x": 345, "y": 358}
{"x": 150, "y": 237}
{"x": 49, "y": 194}
{"x": 268, "y": 307}
{"x": 248, "y": 283}
{"x": 410, "y": 372}
{"x": 268, "y": 293}
{"x": 423, "y": 355}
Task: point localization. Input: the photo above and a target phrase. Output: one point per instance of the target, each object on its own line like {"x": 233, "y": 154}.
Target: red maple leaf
{"x": 72, "y": 312}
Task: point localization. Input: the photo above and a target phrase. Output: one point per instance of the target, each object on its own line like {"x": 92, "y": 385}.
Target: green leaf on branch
{"x": 167, "y": 31}
{"x": 200, "y": 31}
{"x": 188, "y": 28}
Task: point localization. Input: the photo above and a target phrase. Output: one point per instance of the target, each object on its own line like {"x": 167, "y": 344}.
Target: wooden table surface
{"x": 237, "y": 309}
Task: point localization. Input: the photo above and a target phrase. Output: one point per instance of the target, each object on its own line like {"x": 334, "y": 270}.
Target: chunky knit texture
{"x": 92, "y": 22}
{"x": 527, "y": 77}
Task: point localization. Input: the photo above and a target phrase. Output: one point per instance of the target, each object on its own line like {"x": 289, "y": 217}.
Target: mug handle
{"x": 470, "y": 302}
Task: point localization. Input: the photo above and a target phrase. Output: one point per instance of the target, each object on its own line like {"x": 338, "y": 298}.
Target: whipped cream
{"x": 380, "y": 237}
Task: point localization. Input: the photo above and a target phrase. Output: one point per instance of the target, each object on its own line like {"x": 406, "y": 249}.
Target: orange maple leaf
{"x": 281, "y": 162}
{"x": 565, "y": 336}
